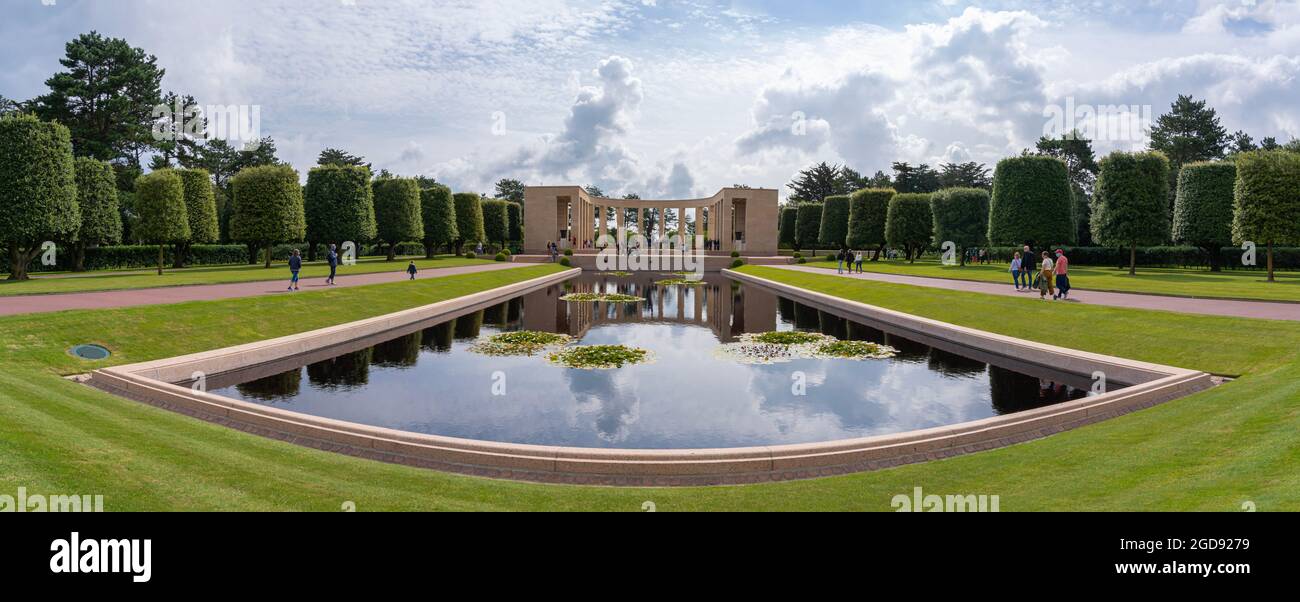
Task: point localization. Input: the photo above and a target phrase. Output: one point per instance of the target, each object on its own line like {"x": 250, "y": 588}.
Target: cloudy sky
{"x": 674, "y": 99}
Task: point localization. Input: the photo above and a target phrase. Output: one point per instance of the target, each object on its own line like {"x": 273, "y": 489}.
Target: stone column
{"x": 663, "y": 214}
{"x": 600, "y": 222}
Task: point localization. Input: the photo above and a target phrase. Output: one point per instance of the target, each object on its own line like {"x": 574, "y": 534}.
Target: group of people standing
{"x": 1051, "y": 275}
{"x": 851, "y": 257}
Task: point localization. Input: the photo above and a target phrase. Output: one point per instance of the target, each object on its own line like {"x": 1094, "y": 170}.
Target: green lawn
{"x": 1160, "y": 281}
{"x": 1210, "y": 451}
{"x": 129, "y": 279}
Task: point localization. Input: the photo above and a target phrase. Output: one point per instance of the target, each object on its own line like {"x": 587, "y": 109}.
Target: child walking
{"x": 410, "y": 269}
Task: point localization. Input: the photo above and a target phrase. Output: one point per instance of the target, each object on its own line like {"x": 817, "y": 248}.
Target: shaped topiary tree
{"x": 160, "y": 205}
{"x": 496, "y": 221}
{"x": 835, "y": 221}
{"x": 38, "y": 188}
{"x": 1266, "y": 204}
{"x": 786, "y": 226}
{"x": 1203, "y": 208}
{"x": 200, "y": 210}
{"x": 267, "y": 207}
{"x": 1031, "y": 202}
{"x": 909, "y": 224}
{"x": 469, "y": 219}
{"x": 101, "y": 217}
{"x": 1131, "y": 205}
{"x": 868, "y": 209}
{"x": 339, "y": 206}
{"x": 961, "y": 215}
{"x": 397, "y": 212}
{"x": 808, "y": 225}
{"x": 439, "y": 217}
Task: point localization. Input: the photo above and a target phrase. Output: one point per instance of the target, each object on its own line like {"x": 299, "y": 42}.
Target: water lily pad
{"x": 600, "y": 357}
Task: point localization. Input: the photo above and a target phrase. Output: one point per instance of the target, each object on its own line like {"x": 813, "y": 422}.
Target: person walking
{"x": 857, "y": 259}
{"x": 1062, "y": 275}
{"x": 410, "y": 269}
{"x": 1028, "y": 267}
{"x": 1015, "y": 269}
{"x": 839, "y": 263}
{"x": 1045, "y": 278}
{"x": 295, "y": 266}
{"x": 332, "y": 258}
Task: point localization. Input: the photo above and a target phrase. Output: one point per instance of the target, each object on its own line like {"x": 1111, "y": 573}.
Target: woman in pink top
{"x": 1062, "y": 276}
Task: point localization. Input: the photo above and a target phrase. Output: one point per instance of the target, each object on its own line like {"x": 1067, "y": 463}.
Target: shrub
{"x": 735, "y": 263}
{"x": 496, "y": 221}
{"x": 735, "y": 253}
{"x": 808, "y": 225}
{"x": 1031, "y": 202}
{"x": 802, "y": 260}
{"x": 1266, "y": 205}
{"x": 786, "y": 226}
{"x": 868, "y": 209}
{"x": 1203, "y": 207}
{"x": 438, "y": 214}
{"x": 797, "y": 255}
{"x": 38, "y": 189}
{"x": 1131, "y": 204}
{"x": 830, "y": 257}
{"x": 101, "y": 218}
{"x": 500, "y": 257}
{"x": 339, "y": 205}
{"x": 469, "y": 219}
{"x": 160, "y": 204}
{"x": 961, "y": 215}
{"x": 200, "y": 210}
{"x": 515, "y": 211}
{"x": 267, "y": 207}
{"x": 470, "y": 255}
{"x": 564, "y": 261}
{"x": 909, "y": 224}
{"x": 834, "y": 221}
{"x": 397, "y": 211}
{"x": 568, "y": 252}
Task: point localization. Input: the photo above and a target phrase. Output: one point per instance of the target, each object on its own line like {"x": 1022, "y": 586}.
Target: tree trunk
{"x": 179, "y": 260}
{"x": 311, "y": 251}
{"x": 1216, "y": 262}
{"x": 18, "y": 260}
{"x": 1132, "y": 260}
{"x": 1270, "y": 262}
{"x": 428, "y": 249}
{"x": 79, "y": 256}
{"x": 879, "y": 250}
{"x": 160, "y": 258}
{"x": 252, "y": 253}
{"x": 392, "y": 251}
{"x": 269, "y": 246}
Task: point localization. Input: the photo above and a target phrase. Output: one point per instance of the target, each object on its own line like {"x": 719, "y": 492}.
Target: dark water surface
{"x": 428, "y": 382}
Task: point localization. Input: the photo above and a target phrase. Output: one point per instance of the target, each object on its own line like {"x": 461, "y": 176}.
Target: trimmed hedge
{"x": 1031, "y": 202}
{"x": 397, "y": 211}
{"x": 1184, "y": 256}
{"x": 808, "y": 225}
{"x": 339, "y": 205}
{"x": 785, "y": 229}
{"x": 439, "y": 216}
{"x": 1203, "y": 206}
{"x": 200, "y": 205}
{"x": 469, "y": 219}
{"x": 835, "y": 220}
{"x": 909, "y": 225}
{"x": 267, "y": 206}
{"x": 160, "y": 203}
{"x": 114, "y": 257}
{"x": 961, "y": 215}
{"x": 1266, "y": 207}
{"x": 38, "y": 188}
{"x": 101, "y": 217}
{"x": 496, "y": 221}
{"x": 515, "y": 212}
{"x": 1131, "y": 206}
{"x": 868, "y": 209}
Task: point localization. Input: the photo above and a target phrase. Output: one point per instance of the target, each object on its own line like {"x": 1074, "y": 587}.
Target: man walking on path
{"x": 332, "y": 258}
{"x": 295, "y": 266}
{"x": 839, "y": 263}
{"x": 1062, "y": 275}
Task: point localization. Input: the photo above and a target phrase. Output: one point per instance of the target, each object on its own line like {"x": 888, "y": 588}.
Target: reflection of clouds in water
{"x": 606, "y": 398}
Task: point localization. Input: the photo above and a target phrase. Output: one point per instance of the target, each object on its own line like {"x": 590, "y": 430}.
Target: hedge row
{"x": 145, "y": 256}
{"x": 1163, "y": 256}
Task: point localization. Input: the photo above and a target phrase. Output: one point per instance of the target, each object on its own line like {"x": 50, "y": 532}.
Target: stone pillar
{"x": 620, "y": 217}
{"x": 663, "y": 214}
{"x": 600, "y": 222}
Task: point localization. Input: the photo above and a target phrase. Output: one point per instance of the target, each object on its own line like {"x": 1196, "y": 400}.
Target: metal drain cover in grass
{"x": 89, "y": 352}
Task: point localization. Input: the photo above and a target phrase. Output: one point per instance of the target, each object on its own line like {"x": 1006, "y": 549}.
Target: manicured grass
{"x": 1229, "y": 284}
{"x": 120, "y": 280}
{"x": 1210, "y": 451}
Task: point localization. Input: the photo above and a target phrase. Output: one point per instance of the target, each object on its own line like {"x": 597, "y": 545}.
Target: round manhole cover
{"x": 89, "y": 352}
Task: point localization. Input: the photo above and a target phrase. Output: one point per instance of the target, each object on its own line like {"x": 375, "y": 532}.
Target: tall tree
{"x": 1240, "y": 142}
{"x": 160, "y": 202}
{"x": 339, "y": 205}
{"x": 438, "y": 213}
{"x": 1129, "y": 208}
{"x": 200, "y": 211}
{"x": 1082, "y": 168}
{"x": 1203, "y": 209}
{"x": 106, "y": 97}
{"x": 469, "y": 219}
{"x": 342, "y": 158}
{"x": 179, "y": 137}
{"x": 397, "y": 212}
{"x": 267, "y": 207}
{"x": 1267, "y": 200}
{"x": 961, "y": 215}
{"x": 965, "y": 175}
{"x": 835, "y": 221}
{"x": 38, "y": 188}
{"x": 101, "y": 220}
{"x": 919, "y": 179}
{"x": 868, "y": 209}
{"x": 1031, "y": 202}
{"x": 496, "y": 221}
{"x": 818, "y": 182}
{"x": 1189, "y": 132}
{"x": 909, "y": 224}
{"x": 510, "y": 190}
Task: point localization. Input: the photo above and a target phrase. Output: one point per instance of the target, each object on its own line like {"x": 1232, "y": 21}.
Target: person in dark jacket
{"x": 332, "y": 258}
{"x": 295, "y": 266}
{"x": 410, "y": 269}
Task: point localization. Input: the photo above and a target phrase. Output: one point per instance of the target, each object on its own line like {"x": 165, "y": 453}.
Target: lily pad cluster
{"x": 784, "y": 346}
{"x": 679, "y": 281}
{"x": 597, "y": 297}
{"x": 599, "y": 357}
{"x": 520, "y": 342}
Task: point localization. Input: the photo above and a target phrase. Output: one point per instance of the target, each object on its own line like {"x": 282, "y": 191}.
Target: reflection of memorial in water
{"x": 1014, "y": 392}
{"x": 277, "y": 387}
{"x": 720, "y": 304}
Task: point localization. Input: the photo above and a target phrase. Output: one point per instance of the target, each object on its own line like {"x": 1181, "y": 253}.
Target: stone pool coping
{"x": 152, "y": 382}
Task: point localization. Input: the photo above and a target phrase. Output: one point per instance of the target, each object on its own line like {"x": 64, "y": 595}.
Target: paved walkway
{"x": 30, "y": 304}
{"x": 1215, "y": 307}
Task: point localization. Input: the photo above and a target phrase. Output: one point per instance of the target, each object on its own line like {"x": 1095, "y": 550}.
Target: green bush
{"x": 735, "y": 253}
{"x": 500, "y": 257}
{"x": 834, "y": 221}
{"x": 735, "y": 263}
{"x": 38, "y": 188}
{"x": 1031, "y": 202}
{"x": 339, "y": 205}
{"x": 1266, "y": 207}
{"x": 961, "y": 215}
{"x": 802, "y": 260}
{"x": 830, "y": 257}
{"x": 786, "y": 225}
{"x": 469, "y": 219}
{"x": 438, "y": 213}
{"x": 470, "y": 255}
{"x": 200, "y": 205}
{"x": 1203, "y": 207}
{"x": 868, "y": 209}
{"x": 496, "y": 221}
{"x": 397, "y": 211}
{"x": 516, "y": 214}
{"x": 267, "y": 207}
{"x": 101, "y": 217}
{"x": 797, "y": 255}
{"x": 564, "y": 261}
{"x": 808, "y": 225}
{"x": 160, "y": 205}
{"x": 909, "y": 225}
{"x": 1131, "y": 205}
{"x": 568, "y": 252}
